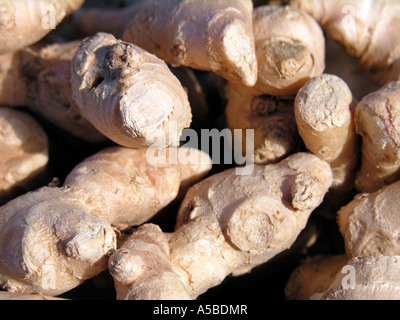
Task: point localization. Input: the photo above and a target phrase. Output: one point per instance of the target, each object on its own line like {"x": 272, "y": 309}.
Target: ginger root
{"x": 53, "y": 239}
{"x": 368, "y": 30}
{"x": 324, "y": 111}
{"x": 25, "y": 22}
{"x": 24, "y": 153}
{"x": 377, "y": 118}
{"x": 128, "y": 94}
{"x": 226, "y": 224}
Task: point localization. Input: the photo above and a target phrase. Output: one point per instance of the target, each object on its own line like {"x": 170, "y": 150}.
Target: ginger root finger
{"x": 128, "y": 94}
{"x": 206, "y": 35}
{"x": 228, "y": 224}
{"x": 377, "y": 118}
{"x": 324, "y": 111}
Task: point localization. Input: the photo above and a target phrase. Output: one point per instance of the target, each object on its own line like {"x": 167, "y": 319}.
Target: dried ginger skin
{"x": 25, "y": 22}
{"x": 369, "y": 223}
{"x": 129, "y": 189}
{"x": 290, "y": 48}
{"x": 128, "y": 94}
{"x": 50, "y": 243}
{"x": 368, "y": 30}
{"x": 24, "y": 152}
{"x": 324, "y": 114}
{"x": 377, "y": 120}
{"x": 376, "y": 278}
{"x": 228, "y": 223}
{"x": 271, "y": 118}
{"x": 206, "y": 35}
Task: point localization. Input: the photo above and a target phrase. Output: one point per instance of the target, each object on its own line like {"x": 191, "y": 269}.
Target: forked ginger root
{"x": 53, "y": 239}
{"x": 324, "y": 111}
{"x": 128, "y": 94}
{"x": 24, "y": 153}
{"x": 25, "y": 22}
{"x": 368, "y": 30}
{"x": 227, "y": 224}
{"x": 377, "y": 120}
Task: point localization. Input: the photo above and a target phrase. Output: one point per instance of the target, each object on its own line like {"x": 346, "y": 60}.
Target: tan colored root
{"x": 313, "y": 275}
{"x": 377, "y": 118}
{"x": 375, "y": 278}
{"x": 4, "y": 295}
{"x": 324, "y": 113}
{"x": 369, "y": 224}
{"x": 128, "y": 94}
{"x": 24, "y": 22}
{"x": 271, "y": 118}
{"x": 228, "y": 224}
{"x": 219, "y": 39}
{"x": 290, "y": 48}
{"x": 368, "y": 30}
{"x": 53, "y": 239}
{"x": 24, "y": 153}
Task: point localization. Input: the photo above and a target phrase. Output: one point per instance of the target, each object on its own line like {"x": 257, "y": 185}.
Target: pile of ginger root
{"x": 183, "y": 150}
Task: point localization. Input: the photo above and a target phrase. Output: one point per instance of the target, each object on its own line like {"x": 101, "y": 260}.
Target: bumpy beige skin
{"x": 324, "y": 114}
{"x": 376, "y": 278}
{"x": 271, "y": 118}
{"x": 377, "y": 120}
{"x": 39, "y": 77}
{"x": 313, "y": 275}
{"x": 370, "y": 225}
{"x": 24, "y": 22}
{"x": 128, "y": 188}
{"x": 228, "y": 224}
{"x": 201, "y": 34}
{"x": 290, "y": 49}
{"x": 367, "y": 29}
{"x": 53, "y": 239}
{"x": 24, "y": 152}
{"x": 128, "y": 94}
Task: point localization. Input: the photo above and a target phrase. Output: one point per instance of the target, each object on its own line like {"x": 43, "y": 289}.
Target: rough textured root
{"x": 25, "y": 22}
{"x": 224, "y": 225}
{"x": 377, "y": 120}
{"x": 369, "y": 224}
{"x": 50, "y": 243}
{"x": 375, "y": 278}
{"x": 220, "y": 39}
{"x": 324, "y": 110}
{"x": 290, "y": 48}
{"x": 4, "y": 295}
{"x": 128, "y": 94}
{"x": 271, "y": 118}
{"x": 39, "y": 77}
{"x": 130, "y": 186}
{"x": 367, "y": 29}
{"x": 313, "y": 275}
{"x": 144, "y": 260}
{"x": 53, "y": 239}
{"x": 24, "y": 153}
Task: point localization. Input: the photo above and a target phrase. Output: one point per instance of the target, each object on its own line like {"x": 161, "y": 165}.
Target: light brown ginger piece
{"x": 290, "y": 49}
{"x": 366, "y": 278}
{"x": 271, "y": 118}
{"x": 324, "y": 111}
{"x": 313, "y": 275}
{"x": 53, "y": 239}
{"x": 39, "y": 77}
{"x": 227, "y": 224}
{"x": 128, "y": 94}
{"x": 24, "y": 153}
{"x": 377, "y": 120}
{"x": 369, "y": 224}
{"x": 25, "y": 22}
{"x": 368, "y": 30}
{"x": 207, "y": 35}
{"x": 5, "y": 295}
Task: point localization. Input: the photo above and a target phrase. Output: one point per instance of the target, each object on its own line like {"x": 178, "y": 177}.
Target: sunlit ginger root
{"x": 227, "y": 224}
